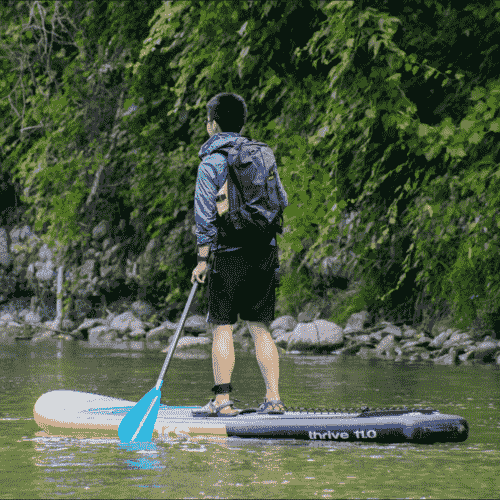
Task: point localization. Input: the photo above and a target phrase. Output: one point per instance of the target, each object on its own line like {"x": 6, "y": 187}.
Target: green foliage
{"x": 295, "y": 290}
{"x": 382, "y": 231}
{"x": 345, "y": 309}
{"x": 63, "y": 170}
{"x": 357, "y": 134}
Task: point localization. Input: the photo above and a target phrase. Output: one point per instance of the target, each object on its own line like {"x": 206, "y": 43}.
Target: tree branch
{"x": 97, "y": 177}
{"x": 34, "y": 126}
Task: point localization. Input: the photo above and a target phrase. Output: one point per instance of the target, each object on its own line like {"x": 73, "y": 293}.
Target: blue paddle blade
{"x": 138, "y": 424}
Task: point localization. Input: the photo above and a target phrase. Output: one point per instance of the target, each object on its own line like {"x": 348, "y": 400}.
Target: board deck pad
{"x": 84, "y": 415}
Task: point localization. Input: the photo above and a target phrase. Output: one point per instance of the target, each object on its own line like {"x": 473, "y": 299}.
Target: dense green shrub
{"x": 389, "y": 111}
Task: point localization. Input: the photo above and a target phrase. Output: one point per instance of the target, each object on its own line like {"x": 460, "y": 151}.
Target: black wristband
{"x": 201, "y": 259}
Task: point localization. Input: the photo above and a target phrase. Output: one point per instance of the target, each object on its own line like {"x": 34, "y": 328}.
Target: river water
{"x": 39, "y": 467}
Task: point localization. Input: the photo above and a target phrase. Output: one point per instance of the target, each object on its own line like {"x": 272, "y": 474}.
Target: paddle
{"x": 138, "y": 424}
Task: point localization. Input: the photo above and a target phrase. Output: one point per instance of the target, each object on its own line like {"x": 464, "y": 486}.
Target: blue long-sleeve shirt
{"x": 212, "y": 174}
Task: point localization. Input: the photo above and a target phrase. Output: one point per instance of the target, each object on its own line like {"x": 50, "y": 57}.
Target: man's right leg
{"x": 267, "y": 357}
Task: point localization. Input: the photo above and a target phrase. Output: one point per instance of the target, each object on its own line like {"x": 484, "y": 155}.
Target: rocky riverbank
{"x": 134, "y": 326}
{"x": 360, "y": 337}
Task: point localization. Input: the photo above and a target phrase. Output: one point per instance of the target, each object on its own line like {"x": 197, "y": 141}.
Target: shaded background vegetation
{"x": 383, "y": 112}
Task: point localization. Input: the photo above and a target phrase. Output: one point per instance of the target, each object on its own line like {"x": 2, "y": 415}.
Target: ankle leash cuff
{"x": 222, "y": 389}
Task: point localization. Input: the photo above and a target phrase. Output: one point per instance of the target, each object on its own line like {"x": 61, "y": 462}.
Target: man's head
{"x": 226, "y": 112}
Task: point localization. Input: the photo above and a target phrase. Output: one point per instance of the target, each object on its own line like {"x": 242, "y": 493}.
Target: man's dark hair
{"x": 228, "y": 110}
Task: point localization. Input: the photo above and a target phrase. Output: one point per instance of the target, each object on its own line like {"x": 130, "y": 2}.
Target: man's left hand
{"x": 200, "y": 272}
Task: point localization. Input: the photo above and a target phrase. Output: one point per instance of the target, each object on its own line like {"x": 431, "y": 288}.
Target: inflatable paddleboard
{"x": 85, "y": 415}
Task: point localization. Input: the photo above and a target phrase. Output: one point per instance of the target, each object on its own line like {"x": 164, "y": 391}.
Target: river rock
{"x": 363, "y": 339}
{"x": 358, "y": 322}
{"x": 195, "y": 324}
{"x": 447, "y": 359}
{"x": 89, "y": 323}
{"x": 304, "y": 335}
{"x": 419, "y": 356}
{"x": 32, "y": 317}
{"x": 31, "y": 328}
{"x": 408, "y": 332}
{"x": 96, "y": 334}
{"x": 422, "y": 341}
{"x": 457, "y": 339}
{"x": 413, "y": 350}
{"x": 319, "y": 333}
{"x": 282, "y": 338}
{"x": 191, "y": 342}
{"x": 278, "y": 333}
{"x": 127, "y": 322}
{"x": 162, "y": 332}
{"x": 108, "y": 338}
{"x": 241, "y": 338}
{"x": 42, "y": 336}
{"x": 355, "y": 343}
{"x": 329, "y": 334}
{"x": 6, "y": 318}
{"x": 468, "y": 355}
{"x": 367, "y": 353}
{"x": 286, "y": 323}
{"x": 440, "y": 339}
{"x": 123, "y": 321}
{"x": 137, "y": 333}
{"x": 46, "y": 331}
{"x": 386, "y": 345}
{"x": 486, "y": 351}
{"x": 310, "y": 312}
{"x": 10, "y": 331}
{"x": 390, "y": 330}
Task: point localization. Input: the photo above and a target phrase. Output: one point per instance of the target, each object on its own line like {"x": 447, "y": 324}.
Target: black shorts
{"x": 243, "y": 281}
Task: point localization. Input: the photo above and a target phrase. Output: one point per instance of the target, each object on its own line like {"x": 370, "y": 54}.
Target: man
{"x": 242, "y": 279}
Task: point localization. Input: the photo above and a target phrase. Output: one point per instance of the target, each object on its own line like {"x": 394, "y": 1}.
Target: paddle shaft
{"x": 173, "y": 345}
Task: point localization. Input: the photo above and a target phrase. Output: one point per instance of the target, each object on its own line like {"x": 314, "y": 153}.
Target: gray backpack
{"x": 251, "y": 203}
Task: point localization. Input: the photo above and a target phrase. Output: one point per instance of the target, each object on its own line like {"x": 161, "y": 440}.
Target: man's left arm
{"x": 203, "y": 251}
{"x": 205, "y": 208}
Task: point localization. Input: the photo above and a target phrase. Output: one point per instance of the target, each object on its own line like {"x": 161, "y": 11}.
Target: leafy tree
{"x": 342, "y": 93}
{"x": 75, "y": 93}
{"x": 362, "y": 129}
{"x": 406, "y": 199}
